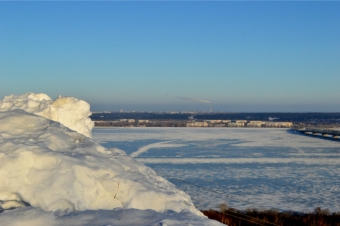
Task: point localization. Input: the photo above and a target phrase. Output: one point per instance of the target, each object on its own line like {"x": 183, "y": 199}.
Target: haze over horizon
{"x": 166, "y": 56}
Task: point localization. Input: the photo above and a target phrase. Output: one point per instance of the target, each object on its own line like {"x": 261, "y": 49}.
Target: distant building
{"x": 255, "y": 124}
{"x": 241, "y": 121}
{"x": 286, "y": 124}
{"x": 279, "y": 124}
{"x": 143, "y": 121}
{"x": 197, "y": 124}
{"x": 236, "y": 124}
{"x": 226, "y": 121}
{"x": 219, "y": 125}
{"x": 127, "y": 120}
{"x": 213, "y": 121}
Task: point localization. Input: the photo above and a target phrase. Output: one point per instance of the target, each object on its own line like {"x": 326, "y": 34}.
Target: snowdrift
{"x": 69, "y": 111}
{"x": 29, "y": 216}
{"x": 47, "y": 165}
{"x": 53, "y": 171}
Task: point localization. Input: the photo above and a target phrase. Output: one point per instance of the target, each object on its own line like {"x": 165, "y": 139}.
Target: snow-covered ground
{"x": 30, "y": 216}
{"x": 52, "y": 175}
{"x": 243, "y": 167}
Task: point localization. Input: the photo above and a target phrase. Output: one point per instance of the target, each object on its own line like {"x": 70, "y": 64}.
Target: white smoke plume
{"x": 195, "y": 100}
{"x": 192, "y": 99}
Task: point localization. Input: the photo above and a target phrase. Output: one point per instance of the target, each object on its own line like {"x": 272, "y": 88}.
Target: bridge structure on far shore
{"x": 320, "y": 132}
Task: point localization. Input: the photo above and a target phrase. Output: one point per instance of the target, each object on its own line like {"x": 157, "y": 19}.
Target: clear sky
{"x": 160, "y": 56}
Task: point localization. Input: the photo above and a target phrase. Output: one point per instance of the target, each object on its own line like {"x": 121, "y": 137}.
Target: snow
{"x": 125, "y": 217}
{"x": 43, "y": 159}
{"x": 164, "y": 144}
{"x": 61, "y": 177}
{"x": 244, "y": 167}
{"x": 69, "y": 111}
{"x": 252, "y": 137}
{"x": 261, "y": 160}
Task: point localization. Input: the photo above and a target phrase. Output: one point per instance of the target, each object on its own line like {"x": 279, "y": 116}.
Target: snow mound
{"x": 47, "y": 165}
{"x": 37, "y": 217}
{"x": 69, "y": 111}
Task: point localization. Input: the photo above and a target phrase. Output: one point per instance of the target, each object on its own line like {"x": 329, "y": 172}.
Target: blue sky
{"x": 154, "y": 56}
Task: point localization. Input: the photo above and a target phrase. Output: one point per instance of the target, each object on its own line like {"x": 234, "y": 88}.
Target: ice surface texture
{"x": 47, "y": 165}
{"x": 69, "y": 111}
{"x": 243, "y": 167}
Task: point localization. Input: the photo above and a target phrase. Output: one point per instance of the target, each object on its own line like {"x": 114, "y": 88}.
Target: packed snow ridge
{"x": 69, "y": 111}
{"x": 47, "y": 164}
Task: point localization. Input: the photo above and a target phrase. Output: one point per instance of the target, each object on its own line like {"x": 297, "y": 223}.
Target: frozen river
{"x": 242, "y": 167}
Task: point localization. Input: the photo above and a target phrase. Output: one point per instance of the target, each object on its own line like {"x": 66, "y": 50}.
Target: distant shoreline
{"x": 149, "y": 127}
{"x": 193, "y": 123}
{"x": 237, "y": 120}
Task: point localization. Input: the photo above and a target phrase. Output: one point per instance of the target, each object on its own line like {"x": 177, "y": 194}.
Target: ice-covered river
{"x": 242, "y": 167}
